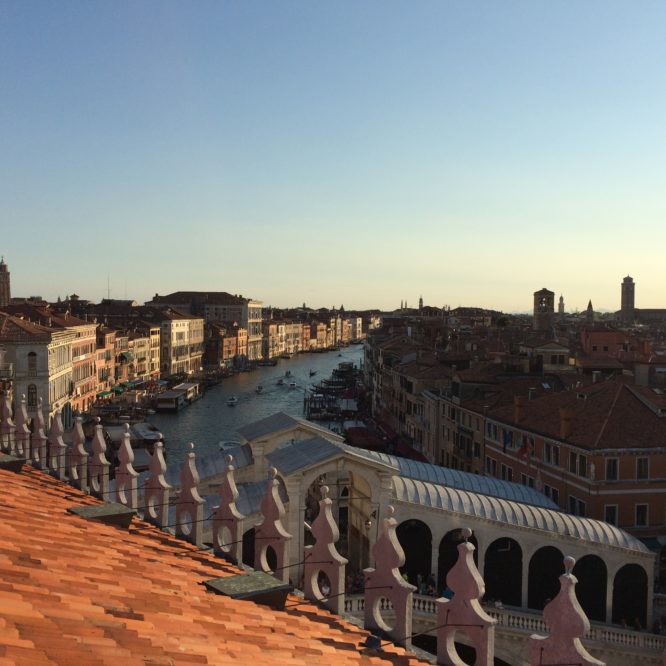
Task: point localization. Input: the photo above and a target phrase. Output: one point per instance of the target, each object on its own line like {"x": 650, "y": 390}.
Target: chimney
{"x": 518, "y": 408}
{"x": 531, "y": 391}
{"x": 565, "y": 423}
{"x": 595, "y": 376}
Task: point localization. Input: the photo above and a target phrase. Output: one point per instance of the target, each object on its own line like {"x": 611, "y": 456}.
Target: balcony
{"x": 6, "y": 370}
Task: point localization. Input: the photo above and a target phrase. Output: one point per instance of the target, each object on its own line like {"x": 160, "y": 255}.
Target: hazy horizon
{"x": 354, "y": 153}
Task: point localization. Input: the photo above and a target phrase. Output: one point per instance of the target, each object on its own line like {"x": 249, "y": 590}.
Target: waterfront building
{"x": 41, "y": 359}
{"x": 271, "y": 341}
{"x": 182, "y": 340}
{"x": 105, "y": 360}
{"x": 220, "y": 306}
{"x": 318, "y": 335}
{"x": 84, "y": 380}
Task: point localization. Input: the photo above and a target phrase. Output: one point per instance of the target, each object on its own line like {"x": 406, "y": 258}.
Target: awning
{"x": 127, "y": 356}
{"x": 104, "y": 394}
{"x": 126, "y": 384}
{"x": 118, "y": 389}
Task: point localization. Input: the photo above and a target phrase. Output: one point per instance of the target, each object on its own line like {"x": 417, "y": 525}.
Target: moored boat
{"x": 231, "y": 402}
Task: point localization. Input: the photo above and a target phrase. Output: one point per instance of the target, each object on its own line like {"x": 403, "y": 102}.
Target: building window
{"x": 527, "y": 480}
{"x": 642, "y": 468}
{"x": 582, "y": 466}
{"x": 610, "y": 513}
{"x": 641, "y": 515}
{"x": 32, "y": 364}
{"x": 577, "y": 507}
{"x": 491, "y": 466}
{"x": 611, "y": 469}
{"x": 32, "y": 395}
{"x": 572, "y": 462}
{"x": 507, "y": 473}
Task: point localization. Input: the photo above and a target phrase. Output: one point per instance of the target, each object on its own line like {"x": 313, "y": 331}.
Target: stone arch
{"x": 592, "y": 576}
{"x": 546, "y": 567}
{"x": 630, "y": 595}
{"x": 448, "y": 554}
{"x": 360, "y": 503}
{"x": 415, "y": 538}
{"x": 248, "y": 547}
{"x": 503, "y": 571}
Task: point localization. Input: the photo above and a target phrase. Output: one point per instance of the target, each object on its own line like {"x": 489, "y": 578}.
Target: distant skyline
{"x": 328, "y": 153}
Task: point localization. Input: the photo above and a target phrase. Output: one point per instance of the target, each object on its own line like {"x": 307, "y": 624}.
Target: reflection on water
{"x": 210, "y": 420}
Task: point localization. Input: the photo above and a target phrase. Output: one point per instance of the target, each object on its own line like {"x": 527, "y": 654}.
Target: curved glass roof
{"x": 487, "y": 485}
{"x": 511, "y": 512}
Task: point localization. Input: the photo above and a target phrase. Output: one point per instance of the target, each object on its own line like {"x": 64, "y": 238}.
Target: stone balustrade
{"x": 525, "y": 622}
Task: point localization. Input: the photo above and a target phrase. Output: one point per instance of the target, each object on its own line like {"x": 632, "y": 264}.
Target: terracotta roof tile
{"x": 76, "y": 591}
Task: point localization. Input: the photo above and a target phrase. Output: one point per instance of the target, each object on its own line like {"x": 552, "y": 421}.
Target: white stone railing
{"x": 531, "y": 623}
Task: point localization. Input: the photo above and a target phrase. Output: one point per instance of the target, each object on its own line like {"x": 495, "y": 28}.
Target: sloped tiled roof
{"x": 606, "y": 415}
{"x": 79, "y": 592}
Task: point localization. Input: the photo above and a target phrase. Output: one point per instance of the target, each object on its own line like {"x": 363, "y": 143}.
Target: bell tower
{"x": 544, "y": 310}
{"x": 5, "y": 291}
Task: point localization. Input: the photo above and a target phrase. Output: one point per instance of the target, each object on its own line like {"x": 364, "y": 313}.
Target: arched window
{"x": 32, "y": 395}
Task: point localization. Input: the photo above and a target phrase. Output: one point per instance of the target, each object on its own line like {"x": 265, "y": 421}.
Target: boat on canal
{"x": 231, "y": 402}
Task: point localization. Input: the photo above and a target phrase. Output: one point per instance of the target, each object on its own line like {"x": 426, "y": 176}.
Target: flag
{"x": 525, "y": 451}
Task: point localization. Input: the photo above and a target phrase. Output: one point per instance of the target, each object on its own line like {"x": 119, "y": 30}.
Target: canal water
{"x": 210, "y": 420}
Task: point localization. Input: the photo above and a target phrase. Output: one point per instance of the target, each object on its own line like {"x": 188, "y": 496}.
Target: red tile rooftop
{"x": 80, "y": 592}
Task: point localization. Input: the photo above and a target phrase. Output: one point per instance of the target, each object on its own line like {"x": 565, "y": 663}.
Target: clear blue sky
{"x": 343, "y": 152}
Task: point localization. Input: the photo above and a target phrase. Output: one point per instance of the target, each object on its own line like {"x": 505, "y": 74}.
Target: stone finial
{"x": 7, "y": 426}
{"x": 270, "y": 533}
{"x": 22, "y": 433}
{"x": 98, "y": 465}
{"x": 38, "y": 438}
{"x": 126, "y": 475}
{"x": 57, "y": 448}
{"x": 385, "y": 582}
{"x": 189, "y": 504}
{"x": 568, "y": 624}
{"x": 324, "y": 558}
{"x": 78, "y": 458}
{"x": 227, "y": 520}
{"x": 464, "y": 610}
{"x": 156, "y": 491}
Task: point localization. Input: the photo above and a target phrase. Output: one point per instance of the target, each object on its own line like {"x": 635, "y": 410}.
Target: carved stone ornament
{"x": 323, "y": 558}
{"x": 271, "y": 539}
{"x": 385, "y": 584}
{"x": 126, "y": 475}
{"x": 227, "y": 519}
{"x": 568, "y": 624}
{"x": 463, "y": 612}
{"x": 189, "y": 504}
{"x": 156, "y": 491}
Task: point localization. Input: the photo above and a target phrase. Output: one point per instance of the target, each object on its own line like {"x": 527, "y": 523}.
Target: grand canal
{"x": 210, "y": 420}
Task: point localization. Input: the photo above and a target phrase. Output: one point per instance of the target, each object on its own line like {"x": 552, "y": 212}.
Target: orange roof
{"x": 79, "y": 592}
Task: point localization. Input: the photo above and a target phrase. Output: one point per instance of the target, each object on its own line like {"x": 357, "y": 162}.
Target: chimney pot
{"x": 565, "y": 423}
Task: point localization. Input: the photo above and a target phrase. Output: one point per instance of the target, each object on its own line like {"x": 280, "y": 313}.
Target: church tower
{"x": 544, "y": 310}
{"x": 5, "y": 291}
{"x": 627, "y": 307}
{"x": 589, "y": 314}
